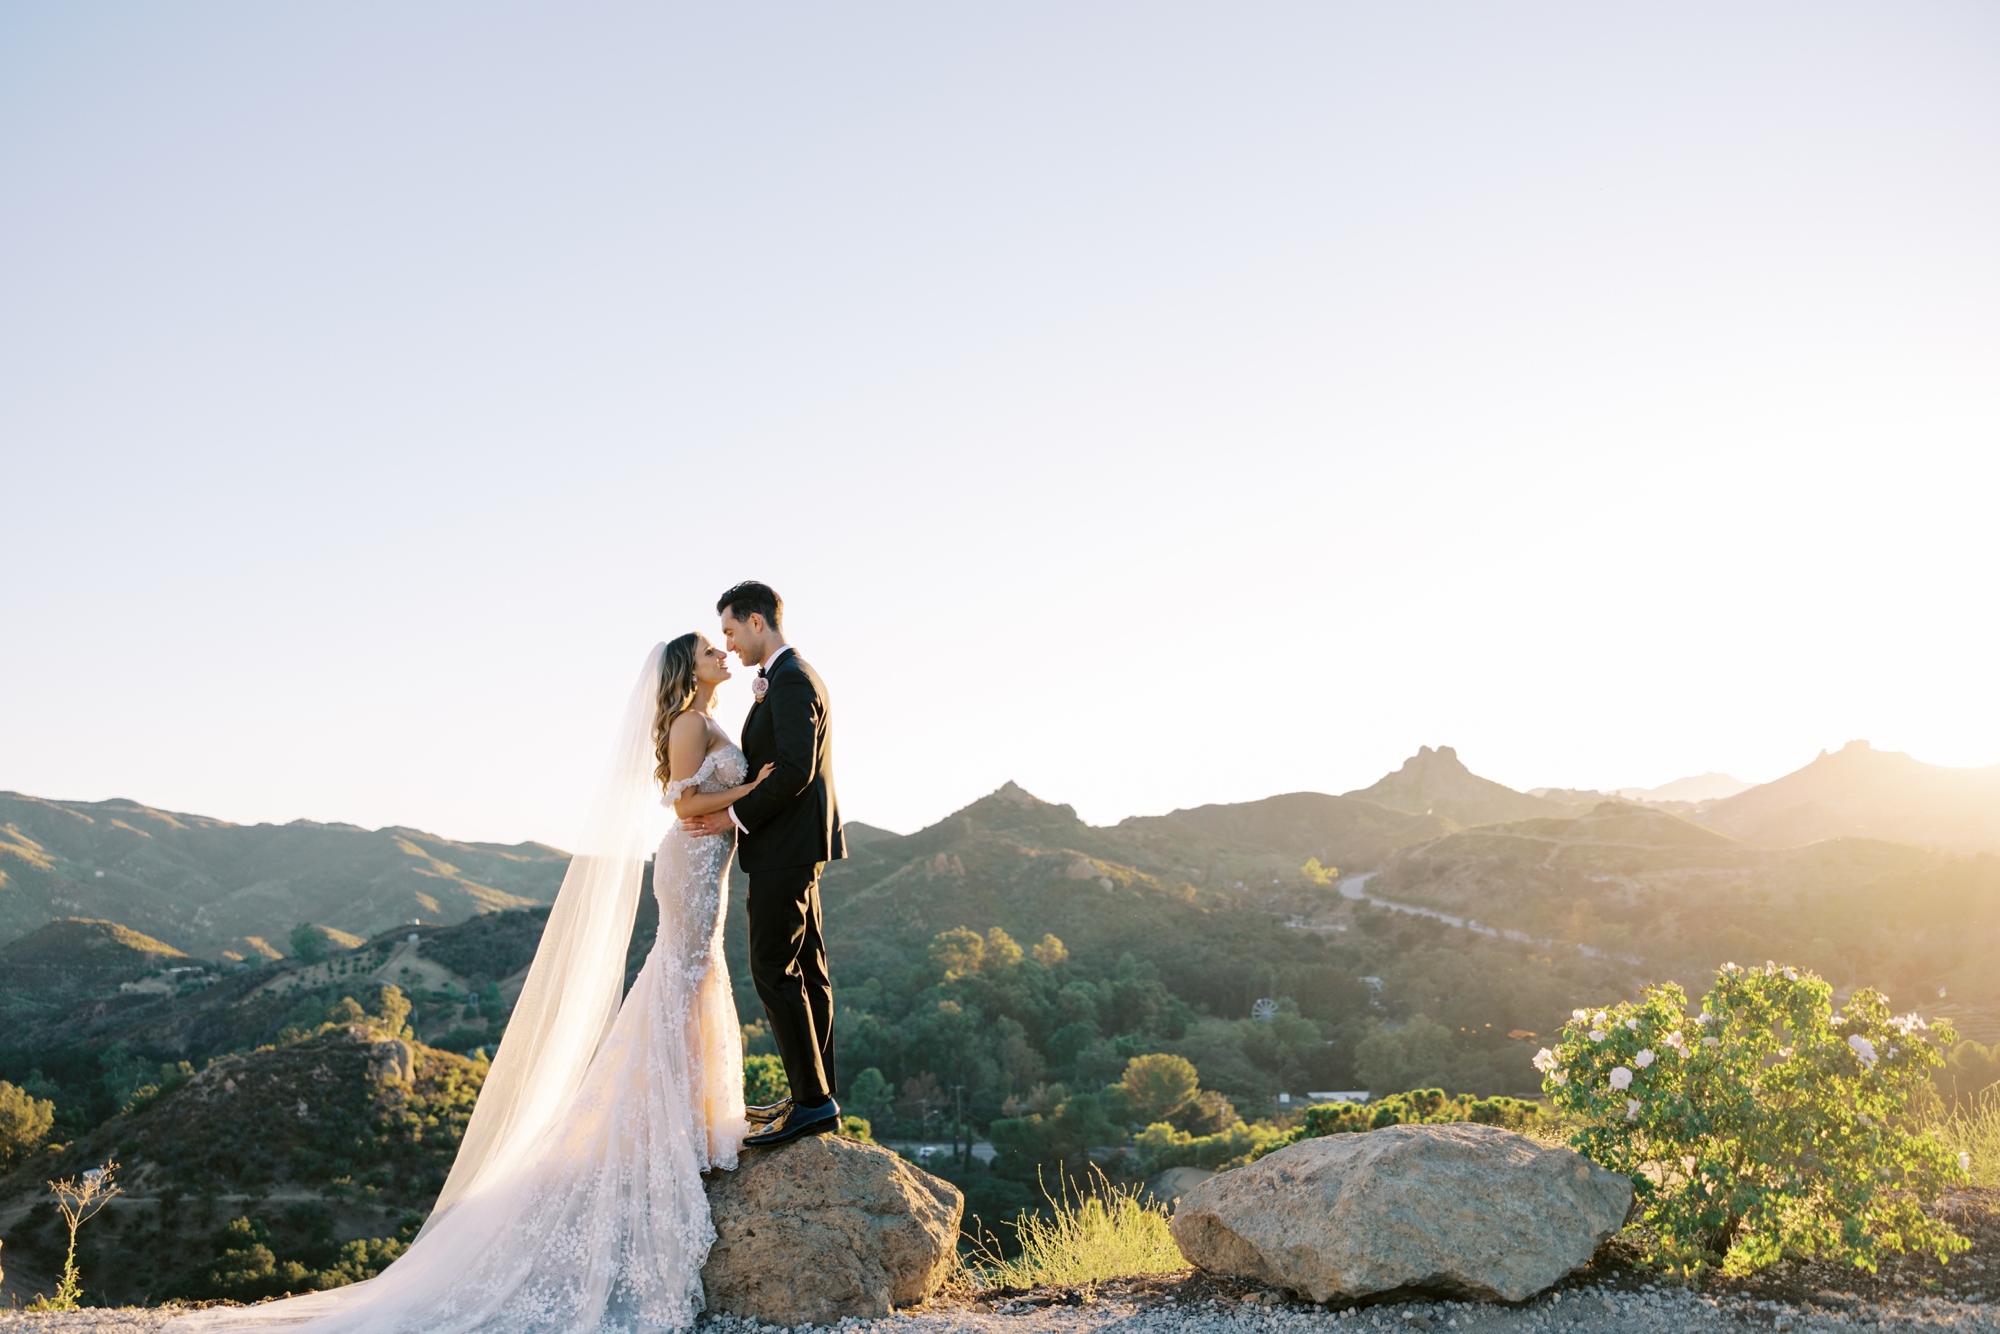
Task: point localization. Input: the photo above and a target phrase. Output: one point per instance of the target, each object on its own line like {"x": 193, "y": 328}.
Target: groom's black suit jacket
{"x": 792, "y": 817}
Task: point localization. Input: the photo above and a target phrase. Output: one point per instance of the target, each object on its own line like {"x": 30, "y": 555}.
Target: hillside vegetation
{"x": 1684, "y": 899}
{"x": 1164, "y": 991}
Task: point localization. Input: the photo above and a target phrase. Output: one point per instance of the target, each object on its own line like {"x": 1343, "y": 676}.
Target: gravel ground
{"x": 1113, "y": 1311}
{"x": 1611, "y": 1294}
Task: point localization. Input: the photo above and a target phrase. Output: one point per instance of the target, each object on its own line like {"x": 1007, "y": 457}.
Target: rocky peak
{"x": 1436, "y": 782}
{"x": 1011, "y": 806}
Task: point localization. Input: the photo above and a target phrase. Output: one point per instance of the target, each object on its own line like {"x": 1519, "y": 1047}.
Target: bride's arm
{"x": 687, "y": 747}
{"x": 693, "y": 803}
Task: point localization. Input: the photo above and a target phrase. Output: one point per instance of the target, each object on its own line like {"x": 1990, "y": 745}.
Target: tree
{"x": 80, "y": 1199}
{"x": 764, "y": 1080}
{"x": 308, "y": 943}
{"x": 868, "y": 1095}
{"x": 958, "y": 952}
{"x": 1968, "y": 1072}
{"x": 24, "y": 1124}
{"x": 1050, "y": 952}
{"x": 1001, "y": 951}
{"x": 395, "y": 1012}
{"x": 921, "y": 1095}
{"x": 1156, "y": 1086}
{"x": 1395, "y": 1060}
{"x": 1033, "y": 1144}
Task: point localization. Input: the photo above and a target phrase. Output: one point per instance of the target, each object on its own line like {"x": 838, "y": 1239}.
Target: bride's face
{"x": 711, "y": 664}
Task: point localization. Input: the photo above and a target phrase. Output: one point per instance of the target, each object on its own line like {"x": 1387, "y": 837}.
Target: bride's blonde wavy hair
{"x": 677, "y": 686}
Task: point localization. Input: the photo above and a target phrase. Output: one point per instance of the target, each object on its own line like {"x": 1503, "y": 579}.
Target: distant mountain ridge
{"x": 207, "y": 886}
{"x": 211, "y": 888}
{"x": 1860, "y": 792}
{"x": 1339, "y": 831}
{"x": 1711, "y": 786}
{"x": 1633, "y": 880}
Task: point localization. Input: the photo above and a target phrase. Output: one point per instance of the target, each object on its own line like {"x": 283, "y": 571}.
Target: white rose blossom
{"x": 1677, "y": 1042}
{"x": 1546, "y": 1060}
{"x": 1631, "y": 1109}
{"x": 1864, "y": 1049}
{"x": 1621, "y": 1078}
{"x": 1711, "y": 1042}
{"x": 1579, "y": 1015}
{"x": 1598, "y": 1022}
{"x": 1559, "y": 1077}
{"x": 1597, "y": 1035}
{"x": 1632, "y": 1024}
{"x": 1644, "y": 1058}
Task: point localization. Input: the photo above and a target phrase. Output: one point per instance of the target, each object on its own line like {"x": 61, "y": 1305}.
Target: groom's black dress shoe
{"x": 769, "y": 1112}
{"x": 796, "y": 1123}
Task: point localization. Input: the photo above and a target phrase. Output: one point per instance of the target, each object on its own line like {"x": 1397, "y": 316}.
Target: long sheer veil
{"x": 566, "y": 1008}
{"x": 578, "y": 976}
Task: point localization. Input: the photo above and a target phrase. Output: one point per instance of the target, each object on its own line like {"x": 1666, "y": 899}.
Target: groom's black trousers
{"x": 788, "y": 964}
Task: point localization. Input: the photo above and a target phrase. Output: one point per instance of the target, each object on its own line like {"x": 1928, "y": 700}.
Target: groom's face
{"x": 745, "y": 638}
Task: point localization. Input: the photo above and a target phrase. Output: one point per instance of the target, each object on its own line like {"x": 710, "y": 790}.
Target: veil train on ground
{"x": 566, "y": 1009}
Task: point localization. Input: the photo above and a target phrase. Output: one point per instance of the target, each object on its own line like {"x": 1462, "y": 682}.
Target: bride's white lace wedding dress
{"x": 600, "y": 1222}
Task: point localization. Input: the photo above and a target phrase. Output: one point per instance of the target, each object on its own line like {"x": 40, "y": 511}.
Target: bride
{"x": 575, "y": 1202}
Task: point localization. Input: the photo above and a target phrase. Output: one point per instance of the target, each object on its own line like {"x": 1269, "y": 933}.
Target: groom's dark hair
{"x": 750, "y": 596}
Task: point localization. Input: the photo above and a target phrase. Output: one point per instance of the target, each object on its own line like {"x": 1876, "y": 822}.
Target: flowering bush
{"x": 1765, "y": 1123}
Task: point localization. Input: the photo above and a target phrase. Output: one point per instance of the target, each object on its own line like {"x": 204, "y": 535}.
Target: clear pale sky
{"x": 1153, "y": 404}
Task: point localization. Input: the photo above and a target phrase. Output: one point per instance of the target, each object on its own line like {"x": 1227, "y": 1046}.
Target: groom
{"x": 790, "y": 829}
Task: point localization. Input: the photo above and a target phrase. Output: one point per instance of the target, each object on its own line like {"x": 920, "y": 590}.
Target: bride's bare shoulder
{"x": 692, "y": 729}
{"x": 688, "y": 739}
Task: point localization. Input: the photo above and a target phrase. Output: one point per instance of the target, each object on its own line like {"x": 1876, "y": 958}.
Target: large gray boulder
{"x": 828, "y": 1227}
{"x": 1463, "y": 1210}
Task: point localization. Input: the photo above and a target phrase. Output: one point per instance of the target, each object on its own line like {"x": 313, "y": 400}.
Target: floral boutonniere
{"x": 758, "y": 687}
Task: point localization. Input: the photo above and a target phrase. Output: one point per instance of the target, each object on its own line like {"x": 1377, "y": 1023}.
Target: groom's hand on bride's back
{"x": 715, "y": 822}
